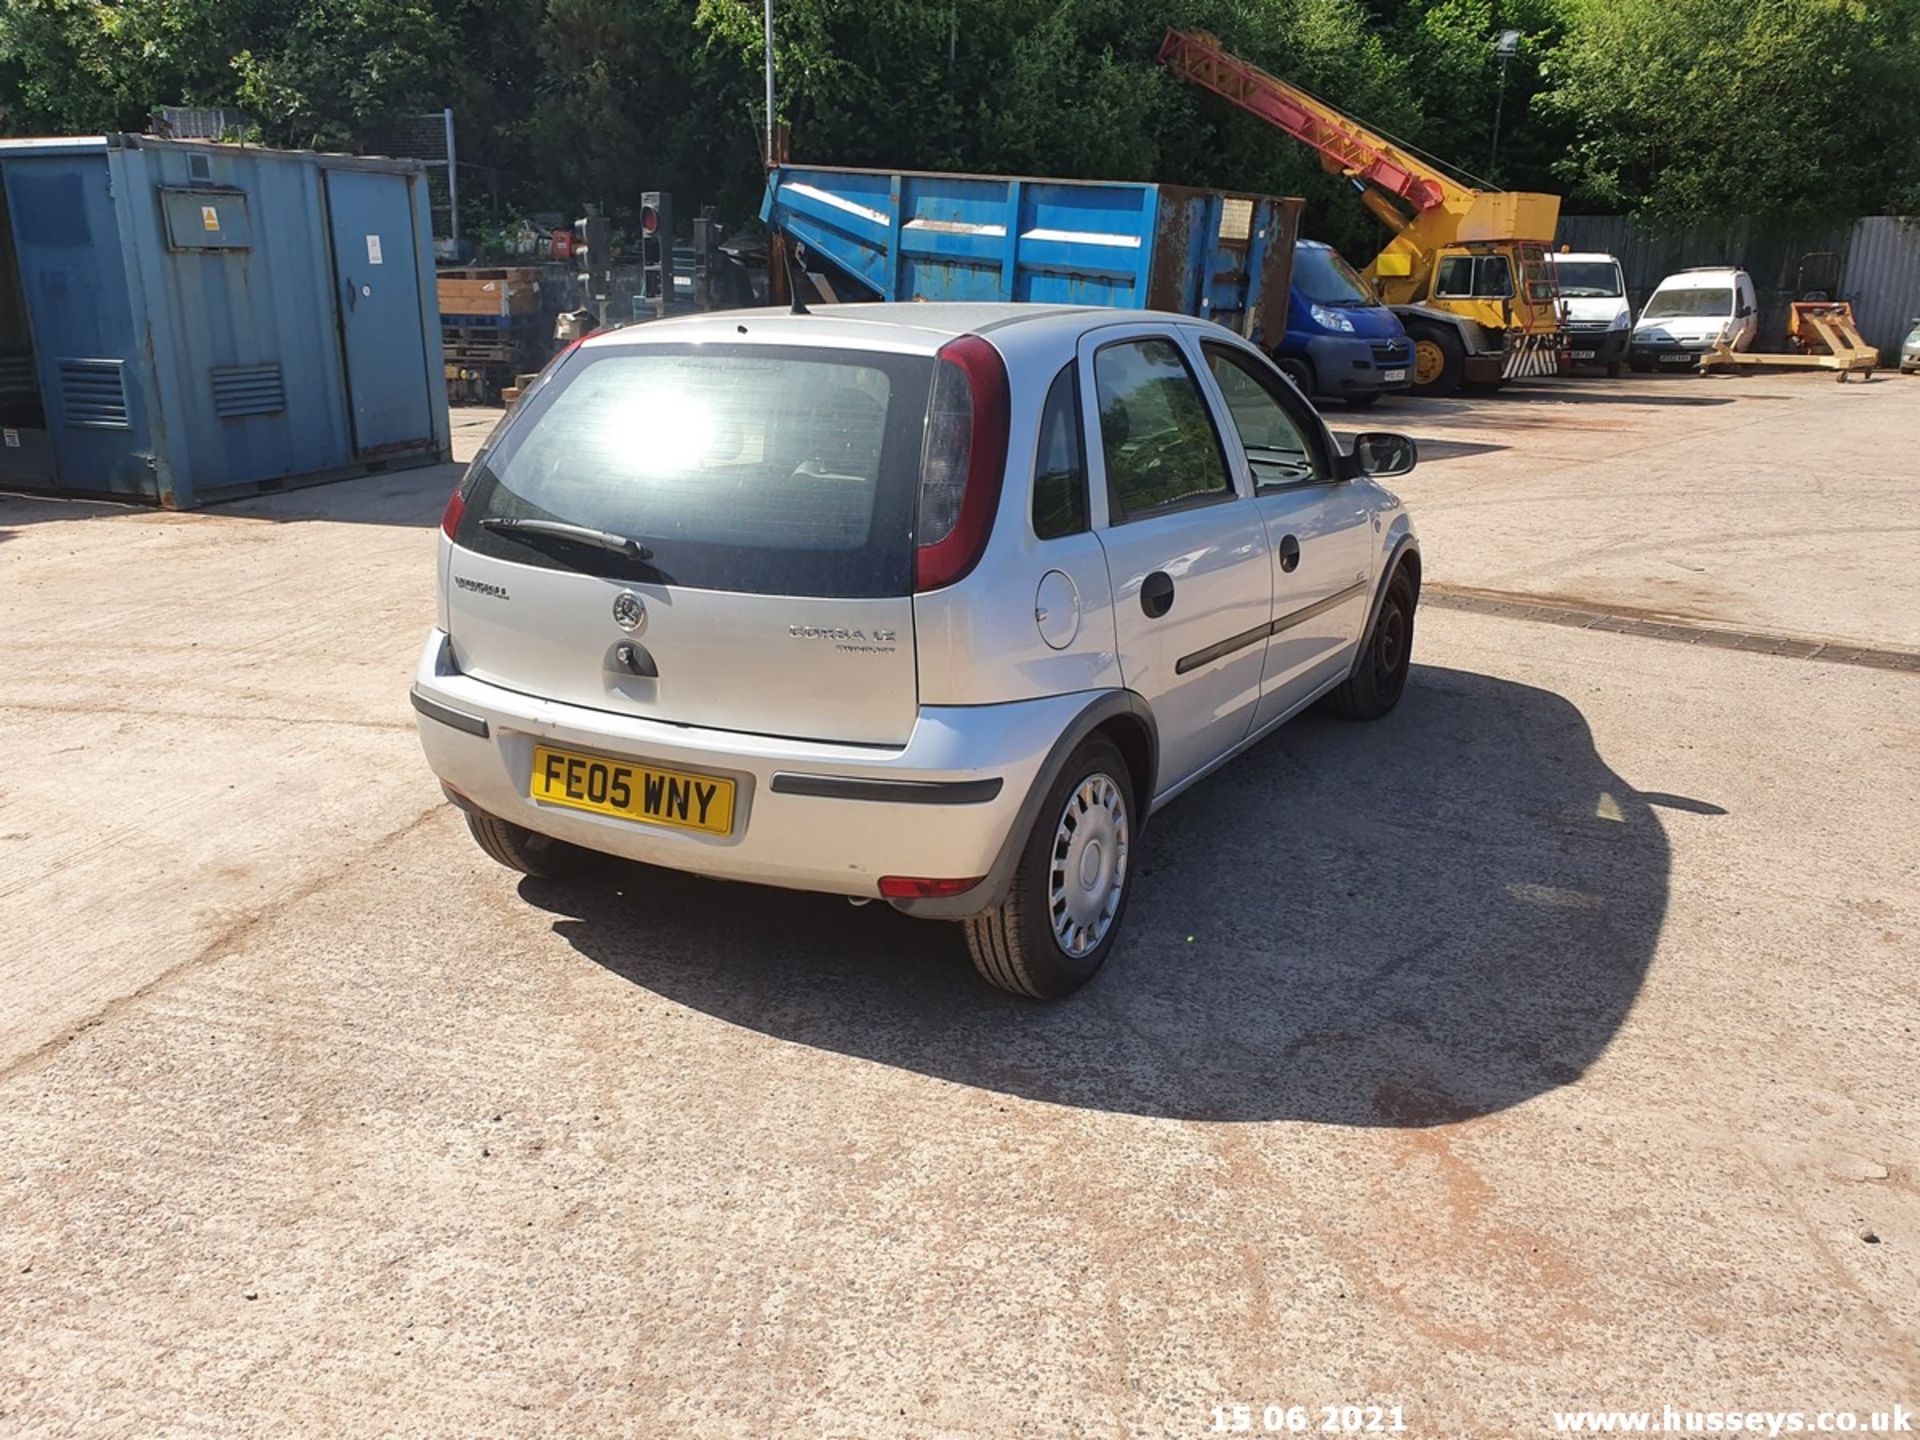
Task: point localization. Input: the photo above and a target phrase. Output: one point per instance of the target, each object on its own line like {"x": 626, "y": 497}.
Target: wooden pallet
{"x": 513, "y": 290}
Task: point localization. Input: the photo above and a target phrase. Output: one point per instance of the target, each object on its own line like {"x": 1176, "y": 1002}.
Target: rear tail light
{"x": 963, "y": 462}
{"x": 456, "y": 508}
{"x": 912, "y": 887}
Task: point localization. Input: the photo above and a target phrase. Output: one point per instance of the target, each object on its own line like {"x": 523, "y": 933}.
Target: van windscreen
{"x": 1588, "y": 279}
{"x": 1696, "y": 302}
{"x": 774, "y": 470}
{"x": 1324, "y": 278}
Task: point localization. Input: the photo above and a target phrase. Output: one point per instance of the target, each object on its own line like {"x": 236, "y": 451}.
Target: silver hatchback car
{"x": 933, "y": 604}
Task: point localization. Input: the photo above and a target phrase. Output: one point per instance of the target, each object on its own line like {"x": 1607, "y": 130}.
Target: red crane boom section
{"x": 1346, "y": 147}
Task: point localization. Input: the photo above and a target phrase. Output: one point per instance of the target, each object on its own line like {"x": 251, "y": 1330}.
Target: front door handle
{"x": 1289, "y": 553}
{"x": 1156, "y": 594}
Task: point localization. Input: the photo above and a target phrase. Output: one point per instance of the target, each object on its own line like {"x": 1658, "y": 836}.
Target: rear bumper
{"x": 809, "y": 815}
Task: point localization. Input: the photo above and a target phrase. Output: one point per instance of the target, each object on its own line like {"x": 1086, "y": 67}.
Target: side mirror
{"x": 1745, "y": 311}
{"x": 1382, "y": 453}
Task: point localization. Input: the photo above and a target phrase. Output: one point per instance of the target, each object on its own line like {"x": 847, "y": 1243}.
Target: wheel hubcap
{"x": 1392, "y": 635}
{"x": 1428, "y": 362}
{"x": 1089, "y": 869}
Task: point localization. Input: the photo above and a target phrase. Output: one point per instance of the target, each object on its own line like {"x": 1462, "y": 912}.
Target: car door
{"x": 1320, "y": 528}
{"x": 1186, "y": 550}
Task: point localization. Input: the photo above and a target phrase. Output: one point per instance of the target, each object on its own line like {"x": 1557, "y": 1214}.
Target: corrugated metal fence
{"x": 1874, "y": 262}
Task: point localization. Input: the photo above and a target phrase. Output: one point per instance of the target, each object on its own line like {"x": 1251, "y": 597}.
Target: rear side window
{"x": 767, "y": 469}
{"x": 1060, "y": 467}
{"x": 1159, "y": 443}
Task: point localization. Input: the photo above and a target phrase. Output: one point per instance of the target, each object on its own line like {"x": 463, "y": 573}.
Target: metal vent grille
{"x": 240, "y": 390}
{"x": 93, "y": 394}
{"x": 16, "y": 378}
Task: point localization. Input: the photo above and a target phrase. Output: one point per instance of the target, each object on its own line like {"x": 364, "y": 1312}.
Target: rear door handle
{"x": 1289, "y": 553}
{"x": 1156, "y": 594}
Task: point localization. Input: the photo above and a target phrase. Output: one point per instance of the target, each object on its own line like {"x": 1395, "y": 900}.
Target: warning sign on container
{"x": 209, "y": 218}
{"x": 373, "y": 250}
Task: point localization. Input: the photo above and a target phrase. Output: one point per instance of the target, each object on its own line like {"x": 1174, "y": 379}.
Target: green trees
{"x": 1799, "y": 108}
{"x": 1672, "y": 107}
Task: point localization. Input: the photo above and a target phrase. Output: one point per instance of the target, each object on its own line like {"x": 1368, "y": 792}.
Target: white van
{"x": 1598, "y": 316}
{"x": 1689, "y": 313}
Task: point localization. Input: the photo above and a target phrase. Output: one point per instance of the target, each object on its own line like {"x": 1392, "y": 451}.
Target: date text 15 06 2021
{"x": 1308, "y": 1420}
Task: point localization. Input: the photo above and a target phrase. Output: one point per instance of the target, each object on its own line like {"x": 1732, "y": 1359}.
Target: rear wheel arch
{"x": 1139, "y": 747}
{"x": 1125, "y": 719}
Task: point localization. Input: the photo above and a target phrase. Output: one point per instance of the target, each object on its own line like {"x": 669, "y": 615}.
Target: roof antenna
{"x": 796, "y": 275}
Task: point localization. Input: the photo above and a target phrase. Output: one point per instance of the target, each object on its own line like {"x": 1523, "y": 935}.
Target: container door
{"x": 83, "y": 407}
{"x": 26, "y": 456}
{"x": 377, "y": 282}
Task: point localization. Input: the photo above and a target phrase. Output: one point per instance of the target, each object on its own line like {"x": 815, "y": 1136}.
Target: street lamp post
{"x": 1504, "y": 47}
{"x": 769, "y": 82}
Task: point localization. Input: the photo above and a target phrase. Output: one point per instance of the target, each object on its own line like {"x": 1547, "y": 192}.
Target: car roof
{"x": 1725, "y": 272}
{"x": 1589, "y": 255}
{"x": 917, "y": 325}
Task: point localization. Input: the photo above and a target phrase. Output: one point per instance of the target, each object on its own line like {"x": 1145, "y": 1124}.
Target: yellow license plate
{"x": 681, "y": 798}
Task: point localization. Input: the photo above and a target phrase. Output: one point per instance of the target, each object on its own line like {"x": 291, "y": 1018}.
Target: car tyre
{"x": 1439, "y": 360}
{"x": 1063, "y": 910}
{"x": 519, "y": 848}
{"x": 1298, "y": 371}
{"x": 1380, "y": 674}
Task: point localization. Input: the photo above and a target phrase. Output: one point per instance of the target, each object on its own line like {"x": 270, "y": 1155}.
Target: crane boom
{"x": 1346, "y": 147}
{"x": 1465, "y": 269}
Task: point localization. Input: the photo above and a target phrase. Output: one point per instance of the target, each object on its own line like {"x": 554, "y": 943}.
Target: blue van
{"x": 1341, "y": 341}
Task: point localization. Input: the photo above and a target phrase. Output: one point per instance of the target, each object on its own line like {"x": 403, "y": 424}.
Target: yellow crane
{"x": 1465, "y": 270}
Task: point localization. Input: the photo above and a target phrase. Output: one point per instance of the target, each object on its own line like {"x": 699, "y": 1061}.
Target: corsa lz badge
{"x": 849, "y": 642}
{"x": 629, "y": 612}
{"x": 836, "y": 632}
{"x": 480, "y": 587}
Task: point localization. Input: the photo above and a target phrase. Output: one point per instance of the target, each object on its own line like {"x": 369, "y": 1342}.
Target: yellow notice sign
{"x": 209, "y": 218}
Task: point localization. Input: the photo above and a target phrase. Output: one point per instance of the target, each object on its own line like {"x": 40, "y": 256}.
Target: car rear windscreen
{"x": 775, "y": 470}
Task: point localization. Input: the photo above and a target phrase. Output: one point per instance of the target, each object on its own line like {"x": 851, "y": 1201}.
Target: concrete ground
{"x": 1549, "y": 1045}
{"x": 1778, "y": 502}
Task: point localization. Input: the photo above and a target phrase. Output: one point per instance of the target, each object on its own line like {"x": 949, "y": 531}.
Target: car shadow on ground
{"x": 1430, "y": 918}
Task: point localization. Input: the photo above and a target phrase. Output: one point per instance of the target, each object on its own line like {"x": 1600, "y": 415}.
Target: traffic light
{"x": 593, "y": 257}
{"x": 656, "y": 248}
{"x": 706, "y": 248}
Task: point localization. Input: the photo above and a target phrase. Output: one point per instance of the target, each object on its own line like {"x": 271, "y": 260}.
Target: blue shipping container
{"x": 916, "y": 235}
{"x": 186, "y": 321}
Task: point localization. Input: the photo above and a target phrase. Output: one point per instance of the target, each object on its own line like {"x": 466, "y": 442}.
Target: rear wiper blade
{"x": 561, "y": 530}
